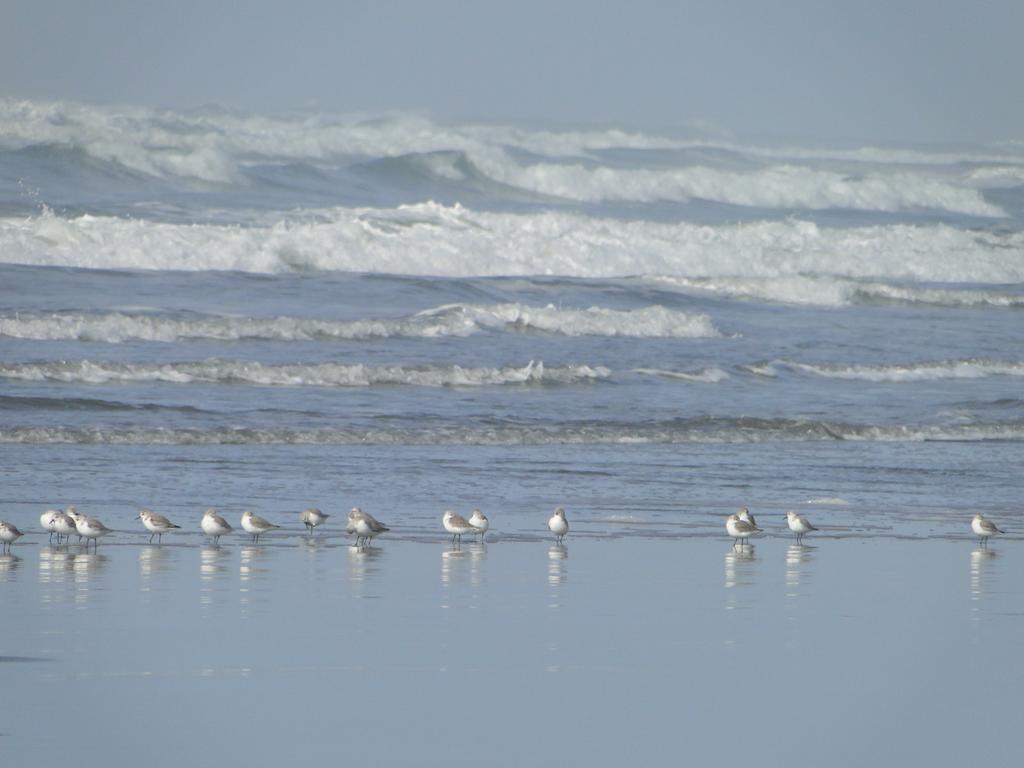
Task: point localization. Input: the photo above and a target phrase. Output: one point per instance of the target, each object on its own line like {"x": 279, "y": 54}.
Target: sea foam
{"x": 434, "y": 239}
{"x": 831, "y": 291}
{"x": 218, "y": 371}
{"x": 696, "y": 431}
{"x": 900, "y": 372}
{"x": 217, "y": 146}
{"x": 448, "y": 320}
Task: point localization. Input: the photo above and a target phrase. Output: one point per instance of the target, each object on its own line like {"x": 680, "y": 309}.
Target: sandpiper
{"x": 984, "y": 528}
{"x": 156, "y": 524}
{"x": 48, "y": 520}
{"x": 739, "y": 529}
{"x": 8, "y": 535}
{"x": 479, "y": 521}
{"x": 64, "y": 525}
{"x": 90, "y": 528}
{"x": 558, "y": 525}
{"x": 799, "y": 525}
{"x": 312, "y": 517}
{"x": 364, "y": 525}
{"x": 456, "y": 525}
{"x": 744, "y": 514}
{"x": 214, "y": 525}
{"x": 256, "y": 525}
{"x": 75, "y": 515}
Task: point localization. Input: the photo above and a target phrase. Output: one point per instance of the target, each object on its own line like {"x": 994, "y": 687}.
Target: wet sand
{"x": 611, "y": 650}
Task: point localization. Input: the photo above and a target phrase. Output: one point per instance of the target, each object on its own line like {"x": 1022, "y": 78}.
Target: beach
{"x": 650, "y": 329}
{"x": 612, "y": 648}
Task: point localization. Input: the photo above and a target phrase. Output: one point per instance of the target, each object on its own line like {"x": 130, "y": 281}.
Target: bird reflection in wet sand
{"x": 86, "y": 566}
{"x": 797, "y": 555}
{"x": 8, "y": 565}
{"x": 249, "y": 558}
{"x": 312, "y": 544}
{"x": 739, "y": 566}
{"x": 557, "y": 555}
{"x": 455, "y": 559}
{"x": 477, "y": 555}
{"x": 212, "y": 568}
{"x": 452, "y": 563}
{"x": 152, "y": 560}
{"x": 982, "y": 559}
{"x": 363, "y": 563}
{"x": 54, "y": 565}
{"x": 211, "y": 562}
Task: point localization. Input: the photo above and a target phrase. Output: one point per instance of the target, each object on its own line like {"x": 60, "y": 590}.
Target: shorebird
{"x": 983, "y": 528}
{"x": 739, "y": 529}
{"x": 364, "y": 525}
{"x": 312, "y": 517}
{"x": 256, "y": 525}
{"x": 48, "y": 520}
{"x": 744, "y": 514}
{"x": 214, "y": 525}
{"x": 8, "y": 535}
{"x": 90, "y": 528}
{"x": 479, "y": 521}
{"x": 75, "y": 516}
{"x": 64, "y": 525}
{"x": 156, "y": 524}
{"x": 456, "y": 525}
{"x": 799, "y": 525}
{"x": 558, "y": 525}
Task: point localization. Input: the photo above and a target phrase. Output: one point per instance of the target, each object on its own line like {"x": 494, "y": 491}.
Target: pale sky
{"x": 812, "y": 69}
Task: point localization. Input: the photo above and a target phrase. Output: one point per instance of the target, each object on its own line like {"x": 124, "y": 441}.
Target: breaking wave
{"x": 705, "y": 375}
{"x": 433, "y": 239}
{"x": 448, "y": 320}
{"x": 828, "y": 291}
{"x": 704, "y": 430}
{"x": 785, "y": 186}
{"x": 900, "y": 372}
{"x": 216, "y": 146}
{"x": 216, "y": 371}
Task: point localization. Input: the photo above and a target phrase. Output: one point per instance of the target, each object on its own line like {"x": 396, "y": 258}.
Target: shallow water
{"x": 845, "y": 650}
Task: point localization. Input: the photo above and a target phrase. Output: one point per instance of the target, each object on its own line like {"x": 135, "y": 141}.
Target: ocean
{"x": 650, "y": 328}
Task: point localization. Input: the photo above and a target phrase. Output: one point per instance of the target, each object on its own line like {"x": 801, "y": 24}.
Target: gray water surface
{"x": 609, "y": 650}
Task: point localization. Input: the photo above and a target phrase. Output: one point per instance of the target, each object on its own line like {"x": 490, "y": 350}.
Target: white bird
{"x": 256, "y": 525}
{"x": 744, "y": 514}
{"x": 558, "y": 525}
{"x": 739, "y": 529}
{"x": 64, "y": 525}
{"x": 75, "y": 516}
{"x": 156, "y": 524}
{"x": 364, "y": 525}
{"x": 214, "y": 525}
{"x": 90, "y": 528}
{"x": 312, "y": 517}
{"x": 48, "y": 520}
{"x": 983, "y": 528}
{"x": 9, "y": 534}
{"x": 456, "y": 525}
{"x": 479, "y": 521}
{"x": 799, "y": 525}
